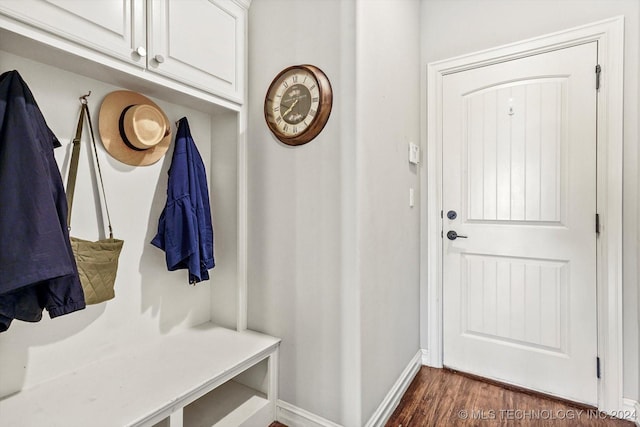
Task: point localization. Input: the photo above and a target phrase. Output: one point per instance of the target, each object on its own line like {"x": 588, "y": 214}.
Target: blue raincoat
{"x": 185, "y": 231}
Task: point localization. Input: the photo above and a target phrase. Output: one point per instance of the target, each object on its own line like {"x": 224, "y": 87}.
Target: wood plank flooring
{"x": 443, "y": 398}
{"x": 440, "y": 397}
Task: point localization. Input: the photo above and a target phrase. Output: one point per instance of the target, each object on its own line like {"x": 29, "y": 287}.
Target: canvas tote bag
{"x": 97, "y": 261}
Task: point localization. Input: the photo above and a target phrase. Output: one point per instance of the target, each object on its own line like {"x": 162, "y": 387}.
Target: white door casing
{"x": 609, "y": 34}
{"x": 519, "y": 170}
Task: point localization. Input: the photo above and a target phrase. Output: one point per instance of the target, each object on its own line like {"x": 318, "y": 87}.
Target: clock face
{"x": 296, "y": 106}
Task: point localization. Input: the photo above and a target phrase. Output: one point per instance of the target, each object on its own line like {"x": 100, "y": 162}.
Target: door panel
{"x": 200, "y": 42}
{"x": 515, "y": 301}
{"x": 508, "y": 151}
{"x": 519, "y": 169}
{"x": 113, "y": 27}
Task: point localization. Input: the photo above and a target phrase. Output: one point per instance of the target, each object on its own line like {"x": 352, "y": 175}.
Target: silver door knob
{"x": 452, "y": 235}
{"x": 141, "y": 51}
{"x": 159, "y": 59}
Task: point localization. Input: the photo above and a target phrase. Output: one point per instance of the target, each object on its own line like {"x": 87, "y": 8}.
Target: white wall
{"x": 454, "y": 27}
{"x": 295, "y": 201}
{"x": 388, "y": 118}
{"x": 333, "y": 244}
{"x": 150, "y": 302}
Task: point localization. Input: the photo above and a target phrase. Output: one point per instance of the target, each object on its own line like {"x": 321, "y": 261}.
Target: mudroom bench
{"x": 204, "y": 376}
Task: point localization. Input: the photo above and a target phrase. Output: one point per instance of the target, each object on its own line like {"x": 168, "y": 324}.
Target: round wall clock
{"x": 298, "y": 104}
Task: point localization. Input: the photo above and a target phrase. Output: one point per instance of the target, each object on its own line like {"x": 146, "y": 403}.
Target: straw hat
{"x": 133, "y": 128}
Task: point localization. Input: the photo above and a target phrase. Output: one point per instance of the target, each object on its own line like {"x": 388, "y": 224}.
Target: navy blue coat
{"x": 185, "y": 231}
{"x": 37, "y": 268}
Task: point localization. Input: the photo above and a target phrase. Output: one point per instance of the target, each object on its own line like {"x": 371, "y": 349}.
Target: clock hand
{"x": 290, "y": 108}
{"x": 282, "y": 104}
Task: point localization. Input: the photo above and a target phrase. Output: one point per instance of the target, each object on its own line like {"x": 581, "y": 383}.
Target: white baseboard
{"x": 426, "y": 357}
{"x": 292, "y": 416}
{"x": 631, "y": 410}
{"x": 392, "y": 399}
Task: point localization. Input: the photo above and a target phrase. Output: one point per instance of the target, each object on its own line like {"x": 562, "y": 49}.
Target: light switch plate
{"x": 414, "y": 153}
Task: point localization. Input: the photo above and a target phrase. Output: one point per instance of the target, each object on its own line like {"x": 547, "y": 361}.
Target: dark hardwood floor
{"x": 443, "y": 398}
{"x": 440, "y": 397}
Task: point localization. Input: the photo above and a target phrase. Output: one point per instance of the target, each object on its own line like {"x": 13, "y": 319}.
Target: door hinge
{"x": 597, "y": 223}
{"x": 598, "y": 71}
{"x": 598, "y": 367}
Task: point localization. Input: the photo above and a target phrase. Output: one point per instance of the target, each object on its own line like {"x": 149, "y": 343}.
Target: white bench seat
{"x": 153, "y": 383}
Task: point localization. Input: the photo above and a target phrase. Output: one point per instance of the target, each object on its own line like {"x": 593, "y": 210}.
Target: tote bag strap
{"x": 73, "y": 165}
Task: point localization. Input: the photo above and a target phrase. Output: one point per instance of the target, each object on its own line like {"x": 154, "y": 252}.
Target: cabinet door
{"x": 200, "y": 43}
{"x": 113, "y": 27}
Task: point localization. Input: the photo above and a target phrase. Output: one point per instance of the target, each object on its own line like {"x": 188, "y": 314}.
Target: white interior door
{"x": 519, "y": 171}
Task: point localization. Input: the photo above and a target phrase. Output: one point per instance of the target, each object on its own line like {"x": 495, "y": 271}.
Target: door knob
{"x": 159, "y": 59}
{"x": 452, "y": 235}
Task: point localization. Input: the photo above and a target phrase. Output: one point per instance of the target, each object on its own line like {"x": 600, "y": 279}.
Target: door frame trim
{"x": 609, "y": 34}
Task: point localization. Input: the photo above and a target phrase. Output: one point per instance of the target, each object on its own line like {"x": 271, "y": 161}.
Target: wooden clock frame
{"x": 325, "y": 103}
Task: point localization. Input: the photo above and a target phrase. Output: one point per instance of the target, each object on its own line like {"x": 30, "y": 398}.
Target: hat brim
{"x": 109, "y": 127}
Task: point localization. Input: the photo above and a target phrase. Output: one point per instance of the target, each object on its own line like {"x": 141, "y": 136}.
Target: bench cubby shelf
{"x": 151, "y": 385}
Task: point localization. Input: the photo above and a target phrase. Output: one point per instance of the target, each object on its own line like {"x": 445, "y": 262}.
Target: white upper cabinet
{"x": 198, "y": 43}
{"x": 114, "y": 27}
